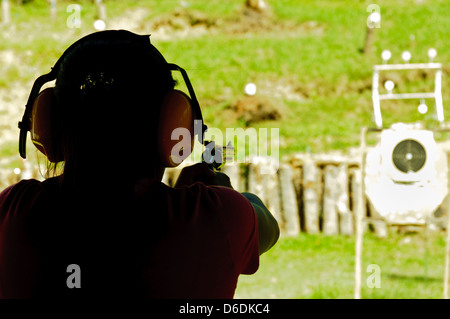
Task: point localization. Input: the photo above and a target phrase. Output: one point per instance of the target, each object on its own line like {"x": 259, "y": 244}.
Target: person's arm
{"x": 268, "y": 229}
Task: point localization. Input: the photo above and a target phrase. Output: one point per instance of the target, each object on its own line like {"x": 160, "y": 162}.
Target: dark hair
{"x": 109, "y": 90}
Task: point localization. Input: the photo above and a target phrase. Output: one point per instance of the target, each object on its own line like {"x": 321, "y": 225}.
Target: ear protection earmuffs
{"x": 177, "y": 111}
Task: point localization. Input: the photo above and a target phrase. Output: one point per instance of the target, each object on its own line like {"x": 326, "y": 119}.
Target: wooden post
{"x": 53, "y": 9}
{"x": 354, "y": 186}
{"x": 373, "y": 21}
{"x": 273, "y": 198}
{"x": 265, "y": 186}
{"x": 311, "y": 195}
{"x": 447, "y": 242}
{"x": 243, "y": 177}
{"x": 368, "y": 41}
{"x": 379, "y": 225}
{"x": 330, "y": 214}
{"x": 255, "y": 181}
{"x": 360, "y": 213}
{"x": 232, "y": 170}
{"x": 101, "y": 9}
{"x": 297, "y": 181}
{"x": 6, "y": 12}
{"x": 447, "y": 257}
{"x": 289, "y": 201}
{"x": 345, "y": 216}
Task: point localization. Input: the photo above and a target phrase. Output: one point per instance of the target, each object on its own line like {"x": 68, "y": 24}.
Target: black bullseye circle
{"x": 409, "y": 156}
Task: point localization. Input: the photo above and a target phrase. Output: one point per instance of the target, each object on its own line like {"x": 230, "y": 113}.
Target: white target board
{"x": 406, "y": 175}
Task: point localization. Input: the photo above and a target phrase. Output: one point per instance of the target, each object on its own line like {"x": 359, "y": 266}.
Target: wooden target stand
{"x": 361, "y": 205}
{"x": 361, "y": 219}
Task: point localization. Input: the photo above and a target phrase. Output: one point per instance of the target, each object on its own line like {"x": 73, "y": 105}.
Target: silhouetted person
{"x": 108, "y": 212}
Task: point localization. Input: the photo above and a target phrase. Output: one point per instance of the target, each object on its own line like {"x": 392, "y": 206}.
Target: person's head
{"x": 108, "y": 90}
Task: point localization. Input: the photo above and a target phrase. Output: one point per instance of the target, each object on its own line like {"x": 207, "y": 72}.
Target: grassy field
{"x": 317, "y": 266}
{"x": 307, "y": 62}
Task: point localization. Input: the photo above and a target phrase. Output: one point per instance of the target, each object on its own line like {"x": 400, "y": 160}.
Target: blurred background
{"x": 310, "y": 64}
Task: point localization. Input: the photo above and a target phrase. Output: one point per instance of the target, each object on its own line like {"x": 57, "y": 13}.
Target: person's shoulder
{"x": 226, "y": 198}
{"x": 21, "y": 187}
{"x": 216, "y": 195}
{"x": 226, "y": 194}
{"x": 235, "y": 205}
{"x": 19, "y": 196}
{"x": 23, "y": 184}
{"x": 230, "y": 195}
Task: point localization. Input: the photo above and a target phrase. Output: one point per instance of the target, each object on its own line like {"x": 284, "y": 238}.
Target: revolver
{"x": 216, "y": 156}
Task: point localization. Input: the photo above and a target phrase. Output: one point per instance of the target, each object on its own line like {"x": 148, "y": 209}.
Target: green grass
{"x": 327, "y": 66}
{"x": 318, "y": 57}
{"x": 319, "y": 266}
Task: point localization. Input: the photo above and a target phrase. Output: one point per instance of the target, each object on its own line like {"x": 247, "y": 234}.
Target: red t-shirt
{"x": 190, "y": 242}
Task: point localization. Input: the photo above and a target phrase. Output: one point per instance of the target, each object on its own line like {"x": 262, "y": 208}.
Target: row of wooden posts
{"x": 306, "y": 193}
{"x": 312, "y": 193}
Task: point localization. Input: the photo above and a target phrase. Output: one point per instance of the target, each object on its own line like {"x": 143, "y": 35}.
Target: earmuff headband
{"x": 194, "y": 101}
{"x": 25, "y": 124}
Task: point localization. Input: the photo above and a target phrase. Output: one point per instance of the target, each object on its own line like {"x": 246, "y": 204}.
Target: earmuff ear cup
{"x": 43, "y": 126}
{"x": 176, "y": 129}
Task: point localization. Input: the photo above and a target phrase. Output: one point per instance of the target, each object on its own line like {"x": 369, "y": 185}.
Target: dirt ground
{"x": 184, "y": 22}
